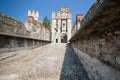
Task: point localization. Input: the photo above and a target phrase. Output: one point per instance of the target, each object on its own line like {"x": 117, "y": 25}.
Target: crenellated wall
{"x": 97, "y": 42}
{"x": 13, "y": 34}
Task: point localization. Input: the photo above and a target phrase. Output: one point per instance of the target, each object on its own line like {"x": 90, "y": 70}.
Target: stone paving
{"x": 49, "y": 62}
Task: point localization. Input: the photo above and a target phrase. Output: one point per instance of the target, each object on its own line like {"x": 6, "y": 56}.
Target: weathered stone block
{"x": 118, "y": 60}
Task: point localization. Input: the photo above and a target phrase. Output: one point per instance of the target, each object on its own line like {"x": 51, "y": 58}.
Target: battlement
{"x": 62, "y": 13}
{"x": 65, "y": 10}
{"x": 34, "y": 14}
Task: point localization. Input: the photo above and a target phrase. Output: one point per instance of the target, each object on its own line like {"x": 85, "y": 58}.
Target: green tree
{"x": 46, "y": 22}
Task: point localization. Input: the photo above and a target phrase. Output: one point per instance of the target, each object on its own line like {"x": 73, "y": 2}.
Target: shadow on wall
{"x": 72, "y": 68}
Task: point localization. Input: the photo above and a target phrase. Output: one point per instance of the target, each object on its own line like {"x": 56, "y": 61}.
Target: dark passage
{"x": 72, "y": 68}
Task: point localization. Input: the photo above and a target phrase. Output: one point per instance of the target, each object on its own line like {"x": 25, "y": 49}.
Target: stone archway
{"x": 64, "y": 38}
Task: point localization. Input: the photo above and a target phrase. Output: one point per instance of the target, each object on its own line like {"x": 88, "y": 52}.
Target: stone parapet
{"x": 14, "y": 36}
{"x": 12, "y": 27}
{"x": 99, "y": 38}
{"x": 96, "y": 70}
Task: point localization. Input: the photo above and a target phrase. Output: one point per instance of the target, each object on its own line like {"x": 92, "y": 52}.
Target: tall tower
{"x": 77, "y": 24}
{"x": 79, "y": 18}
{"x": 34, "y": 14}
{"x": 61, "y": 25}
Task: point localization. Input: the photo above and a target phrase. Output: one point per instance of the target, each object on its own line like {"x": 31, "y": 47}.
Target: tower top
{"x": 63, "y": 13}
{"x": 63, "y": 9}
{"x": 34, "y": 14}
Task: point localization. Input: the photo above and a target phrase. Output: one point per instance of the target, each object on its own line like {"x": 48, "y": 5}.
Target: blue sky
{"x": 19, "y": 8}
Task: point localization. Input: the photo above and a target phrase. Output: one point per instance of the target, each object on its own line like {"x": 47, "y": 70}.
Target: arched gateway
{"x": 61, "y": 25}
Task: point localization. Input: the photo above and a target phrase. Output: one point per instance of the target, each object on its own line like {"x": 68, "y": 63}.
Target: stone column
{"x": 59, "y": 32}
{"x": 25, "y": 42}
{"x": 13, "y": 43}
{"x": 41, "y": 43}
{"x": 37, "y": 43}
{"x": 33, "y": 43}
{"x": 53, "y": 30}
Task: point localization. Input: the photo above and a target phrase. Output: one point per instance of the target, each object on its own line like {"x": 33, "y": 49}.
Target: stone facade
{"x": 61, "y": 25}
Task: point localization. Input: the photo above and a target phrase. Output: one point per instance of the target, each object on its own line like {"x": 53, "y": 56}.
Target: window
{"x": 63, "y": 24}
{"x": 56, "y": 40}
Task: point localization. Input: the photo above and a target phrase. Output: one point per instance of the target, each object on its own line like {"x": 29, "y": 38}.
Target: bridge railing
{"x": 13, "y": 34}
{"x": 91, "y": 13}
{"x": 98, "y": 36}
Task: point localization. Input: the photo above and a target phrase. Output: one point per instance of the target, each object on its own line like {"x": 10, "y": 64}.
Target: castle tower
{"x": 34, "y": 14}
{"x": 79, "y": 18}
{"x": 77, "y": 24}
{"x": 33, "y": 22}
{"x": 61, "y": 25}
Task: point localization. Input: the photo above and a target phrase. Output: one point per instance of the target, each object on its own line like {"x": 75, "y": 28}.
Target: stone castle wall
{"x": 14, "y": 34}
{"x": 10, "y": 26}
{"x": 97, "y": 43}
{"x": 100, "y": 55}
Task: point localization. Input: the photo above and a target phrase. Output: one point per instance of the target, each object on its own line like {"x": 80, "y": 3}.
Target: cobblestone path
{"x": 49, "y": 62}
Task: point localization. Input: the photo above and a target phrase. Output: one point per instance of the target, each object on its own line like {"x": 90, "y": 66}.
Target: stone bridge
{"x": 93, "y": 52}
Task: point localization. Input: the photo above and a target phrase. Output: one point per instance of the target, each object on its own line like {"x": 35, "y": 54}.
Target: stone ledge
{"x": 95, "y": 69}
{"x": 12, "y": 27}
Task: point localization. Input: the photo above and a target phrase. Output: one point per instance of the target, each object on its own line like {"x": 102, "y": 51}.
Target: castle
{"x": 61, "y": 28}
{"x": 61, "y": 25}
{"x": 36, "y": 28}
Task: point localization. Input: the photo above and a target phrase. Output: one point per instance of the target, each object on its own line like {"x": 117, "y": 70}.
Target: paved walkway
{"x": 50, "y": 62}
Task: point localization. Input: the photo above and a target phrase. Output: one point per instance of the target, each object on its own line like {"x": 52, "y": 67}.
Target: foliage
{"x": 46, "y": 23}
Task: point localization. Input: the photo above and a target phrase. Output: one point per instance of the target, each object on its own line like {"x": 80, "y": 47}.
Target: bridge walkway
{"x": 49, "y": 62}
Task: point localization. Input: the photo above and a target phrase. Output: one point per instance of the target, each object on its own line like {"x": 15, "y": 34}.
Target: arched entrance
{"x": 64, "y": 38}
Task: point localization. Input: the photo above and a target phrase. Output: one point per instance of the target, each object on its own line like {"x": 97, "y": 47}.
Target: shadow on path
{"x": 72, "y": 68}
